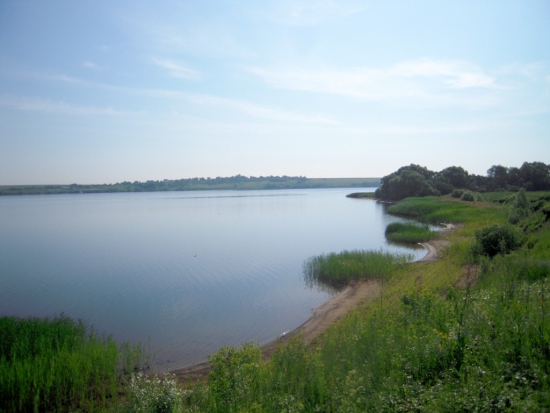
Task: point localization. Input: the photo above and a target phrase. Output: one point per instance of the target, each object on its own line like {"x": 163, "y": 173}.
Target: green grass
{"x": 410, "y": 233}
{"x": 57, "y": 364}
{"x": 446, "y": 209}
{"x": 337, "y": 270}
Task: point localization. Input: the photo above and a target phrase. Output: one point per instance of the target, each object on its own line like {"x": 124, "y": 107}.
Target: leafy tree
{"x": 455, "y": 176}
{"x": 537, "y": 173}
{"x": 498, "y": 176}
{"x": 514, "y": 177}
{"x": 406, "y": 182}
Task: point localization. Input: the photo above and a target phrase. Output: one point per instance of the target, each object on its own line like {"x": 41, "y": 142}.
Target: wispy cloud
{"x": 91, "y": 65}
{"x": 425, "y": 79}
{"x": 47, "y": 105}
{"x": 455, "y": 74}
{"x": 244, "y": 107}
{"x": 247, "y": 108}
{"x": 177, "y": 70}
{"x": 257, "y": 111}
{"x": 306, "y": 13}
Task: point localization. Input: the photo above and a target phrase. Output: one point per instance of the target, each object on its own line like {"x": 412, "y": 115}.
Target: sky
{"x": 96, "y": 92}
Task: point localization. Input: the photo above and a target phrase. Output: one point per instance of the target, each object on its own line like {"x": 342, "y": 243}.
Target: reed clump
{"x": 56, "y": 364}
{"x": 339, "y": 269}
{"x": 410, "y": 233}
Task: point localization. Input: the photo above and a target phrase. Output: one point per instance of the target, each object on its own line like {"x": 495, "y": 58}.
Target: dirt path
{"x": 326, "y": 314}
{"x": 435, "y": 246}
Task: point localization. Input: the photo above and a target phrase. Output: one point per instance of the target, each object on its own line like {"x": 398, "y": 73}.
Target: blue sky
{"x": 105, "y": 91}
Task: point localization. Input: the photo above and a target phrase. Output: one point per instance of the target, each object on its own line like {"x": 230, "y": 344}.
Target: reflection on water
{"x": 184, "y": 273}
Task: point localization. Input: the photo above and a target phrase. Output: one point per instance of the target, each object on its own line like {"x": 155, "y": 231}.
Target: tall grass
{"x": 54, "y": 365}
{"x": 429, "y": 209}
{"x": 337, "y": 270}
{"x": 412, "y": 233}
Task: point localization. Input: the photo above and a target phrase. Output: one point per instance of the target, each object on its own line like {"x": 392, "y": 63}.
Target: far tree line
{"x": 416, "y": 180}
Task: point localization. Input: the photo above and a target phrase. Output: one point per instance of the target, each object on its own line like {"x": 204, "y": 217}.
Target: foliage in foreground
{"x": 154, "y": 394}
{"x": 55, "y": 364}
{"x": 337, "y": 270}
{"x": 412, "y": 233}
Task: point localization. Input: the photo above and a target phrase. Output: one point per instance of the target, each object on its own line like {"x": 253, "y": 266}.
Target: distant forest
{"x": 416, "y": 180}
{"x": 238, "y": 182}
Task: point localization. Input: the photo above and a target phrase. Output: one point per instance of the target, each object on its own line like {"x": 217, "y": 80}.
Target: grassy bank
{"x": 435, "y": 340}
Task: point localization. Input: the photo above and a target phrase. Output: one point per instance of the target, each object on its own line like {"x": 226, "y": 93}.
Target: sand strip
{"x": 321, "y": 319}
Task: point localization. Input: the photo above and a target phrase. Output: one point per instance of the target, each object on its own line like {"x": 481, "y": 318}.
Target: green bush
{"x": 467, "y": 196}
{"x": 496, "y": 239}
{"x": 151, "y": 394}
{"x": 457, "y": 193}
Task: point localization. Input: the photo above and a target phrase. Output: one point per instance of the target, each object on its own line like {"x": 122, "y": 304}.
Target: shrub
{"x": 495, "y": 240}
{"x": 154, "y": 395}
{"x": 467, "y": 196}
{"x": 457, "y": 193}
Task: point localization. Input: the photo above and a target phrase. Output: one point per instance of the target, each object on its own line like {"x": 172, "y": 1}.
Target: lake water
{"x": 182, "y": 272}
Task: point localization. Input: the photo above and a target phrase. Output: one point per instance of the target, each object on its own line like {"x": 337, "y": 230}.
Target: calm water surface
{"x": 182, "y": 272}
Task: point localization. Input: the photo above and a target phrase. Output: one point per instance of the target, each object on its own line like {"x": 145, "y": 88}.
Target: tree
{"x": 404, "y": 183}
{"x": 498, "y": 176}
{"x": 455, "y": 176}
{"x": 537, "y": 173}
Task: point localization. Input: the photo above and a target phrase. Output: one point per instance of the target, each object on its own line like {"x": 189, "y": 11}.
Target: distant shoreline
{"x": 195, "y": 184}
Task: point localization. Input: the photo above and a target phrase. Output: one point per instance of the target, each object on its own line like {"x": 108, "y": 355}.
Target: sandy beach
{"x": 327, "y": 313}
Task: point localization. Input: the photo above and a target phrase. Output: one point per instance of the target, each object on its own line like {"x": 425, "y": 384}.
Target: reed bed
{"x": 411, "y": 233}
{"x": 56, "y": 364}
{"x": 339, "y": 269}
